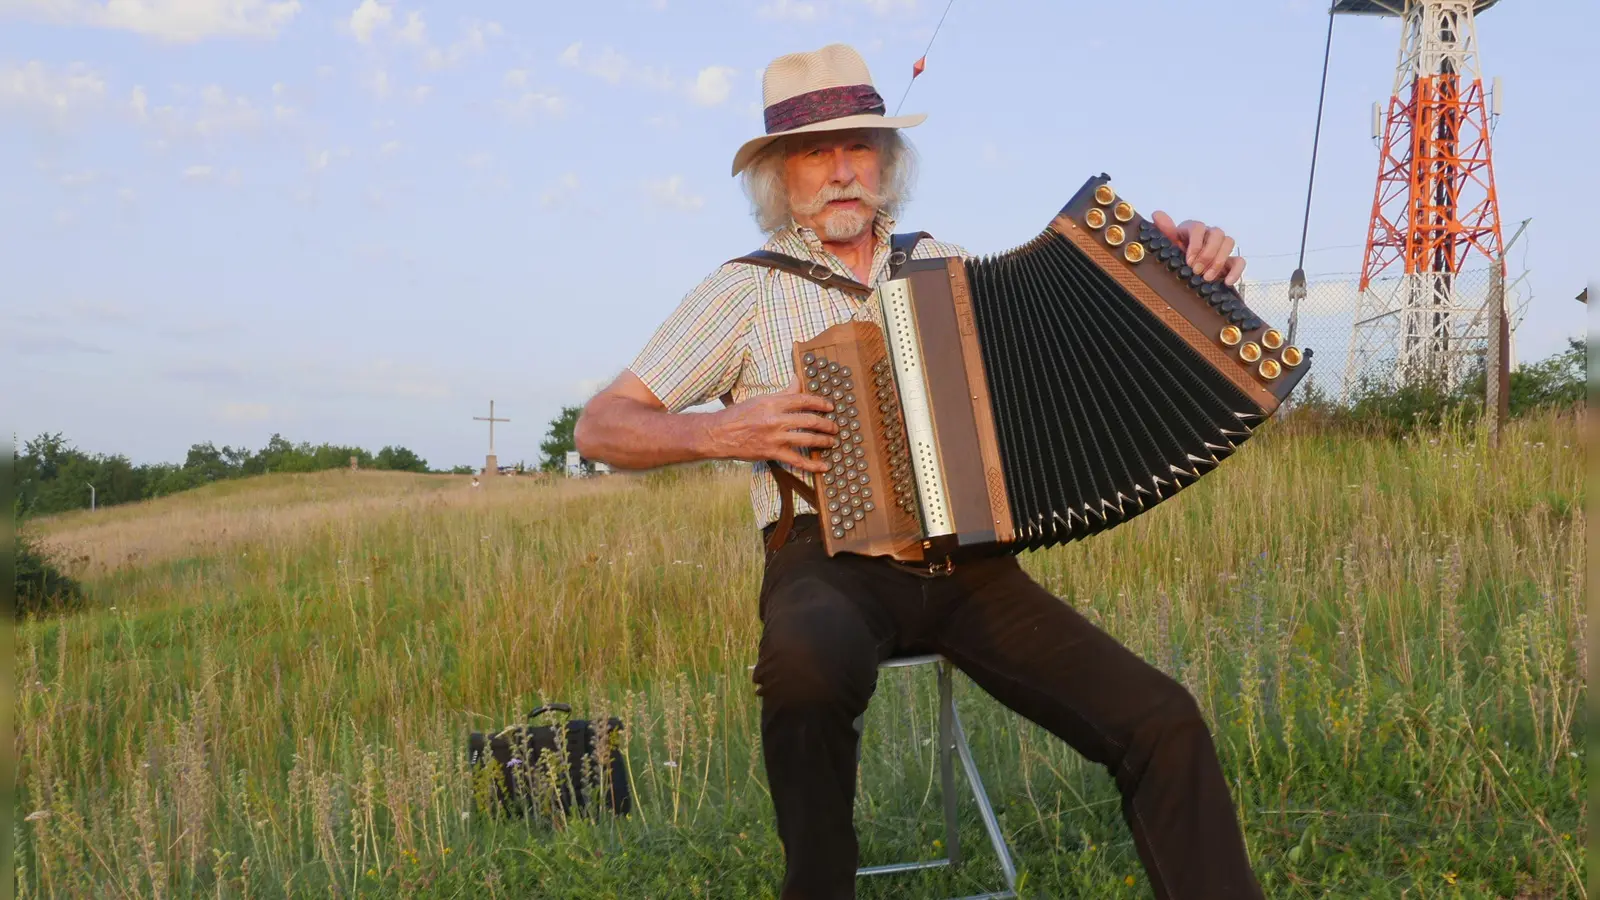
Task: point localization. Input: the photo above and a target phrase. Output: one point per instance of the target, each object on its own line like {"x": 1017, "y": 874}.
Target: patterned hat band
{"x": 822, "y": 105}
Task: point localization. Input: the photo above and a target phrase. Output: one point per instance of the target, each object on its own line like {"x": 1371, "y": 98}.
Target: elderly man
{"x": 825, "y": 181}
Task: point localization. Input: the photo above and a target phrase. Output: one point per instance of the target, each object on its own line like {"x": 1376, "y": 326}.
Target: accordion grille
{"x": 1100, "y": 410}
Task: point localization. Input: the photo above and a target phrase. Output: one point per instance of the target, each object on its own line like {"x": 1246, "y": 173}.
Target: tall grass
{"x": 272, "y": 694}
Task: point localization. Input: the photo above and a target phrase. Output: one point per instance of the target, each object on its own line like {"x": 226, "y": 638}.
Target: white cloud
{"x": 172, "y": 20}
{"x": 78, "y": 179}
{"x": 530, "y": 103}
{"x": 367, "y": 18}
{"x": 712, "y": 85}
{"x": 566, "y": 187}
{"x": 516, "y": 78}
{"x": 208, "y": 174}
{"x": 473, "y": 42}
{"x": 890, "y": 7}
{"x": 127, "y": 195}
{"x": 478, "y": 160}
{"x": 420, "y": 93}
{"x": 669, "y": 192}
{"x": 208, "y": 116}
{"x": 389, "y": 148}
{"x": 791, "y": 10}
{"x": 35, "y": 86}
{"x": 372, "y": 20}
{"x": 414, "y": 32}
{"x": 613, "y": 67}
{"x": 378, "y": 83}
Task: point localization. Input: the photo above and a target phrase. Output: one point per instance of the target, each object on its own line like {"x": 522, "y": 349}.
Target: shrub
{"x": 42, "y": 588}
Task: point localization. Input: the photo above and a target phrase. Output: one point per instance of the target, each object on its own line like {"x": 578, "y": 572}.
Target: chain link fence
{"x": 1402, "y": 327}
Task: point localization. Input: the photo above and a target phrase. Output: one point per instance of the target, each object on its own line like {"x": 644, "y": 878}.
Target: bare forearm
{"x": 627, "y": 434}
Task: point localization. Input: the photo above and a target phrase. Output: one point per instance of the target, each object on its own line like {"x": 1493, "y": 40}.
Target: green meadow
{"x": 271, "y": 692}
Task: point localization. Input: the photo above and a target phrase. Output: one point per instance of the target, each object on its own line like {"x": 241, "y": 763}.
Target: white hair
{"x": 769, "y": 197}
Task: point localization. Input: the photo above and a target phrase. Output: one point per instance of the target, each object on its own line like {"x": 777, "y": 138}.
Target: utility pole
{"x": 1497, "y": 362}
{"x": 91, "y": 496}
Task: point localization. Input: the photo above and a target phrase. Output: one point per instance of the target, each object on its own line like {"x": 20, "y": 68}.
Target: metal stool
{"x": 951, "y": 738}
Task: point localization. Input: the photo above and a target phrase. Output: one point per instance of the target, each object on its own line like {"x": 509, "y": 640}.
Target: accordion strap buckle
{"x": 820, "y": 272}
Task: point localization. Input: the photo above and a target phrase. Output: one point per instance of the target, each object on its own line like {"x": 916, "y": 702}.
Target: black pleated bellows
{"x": 1095, "y": 400}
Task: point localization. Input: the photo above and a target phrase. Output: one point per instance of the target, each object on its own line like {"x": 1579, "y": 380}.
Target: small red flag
{"x": 918, "y": 66}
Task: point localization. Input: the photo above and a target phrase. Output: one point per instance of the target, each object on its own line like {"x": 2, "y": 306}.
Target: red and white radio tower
{"x": 1434, "y": 261}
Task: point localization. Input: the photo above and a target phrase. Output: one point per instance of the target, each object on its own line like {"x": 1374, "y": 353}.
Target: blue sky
{"x": 358, "y": 223}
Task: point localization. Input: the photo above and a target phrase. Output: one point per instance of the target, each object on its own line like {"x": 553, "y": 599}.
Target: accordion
{"x": 1035, "y": 397}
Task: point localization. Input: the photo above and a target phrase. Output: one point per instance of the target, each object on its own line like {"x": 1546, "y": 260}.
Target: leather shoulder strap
{"x": 814, "y": 272}
{"x": 900, "y": 247}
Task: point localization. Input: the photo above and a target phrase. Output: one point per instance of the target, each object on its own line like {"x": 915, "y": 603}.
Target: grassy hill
{"x": 271, "y": 693}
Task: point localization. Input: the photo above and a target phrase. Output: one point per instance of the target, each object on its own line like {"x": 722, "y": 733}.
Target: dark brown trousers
{"x": 828, "y": 623}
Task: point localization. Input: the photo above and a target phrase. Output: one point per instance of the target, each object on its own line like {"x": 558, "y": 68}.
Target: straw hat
{"x": 826, "y": 90}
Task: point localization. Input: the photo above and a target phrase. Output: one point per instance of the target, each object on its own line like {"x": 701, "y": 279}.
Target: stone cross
{"x": 491, "y": 464}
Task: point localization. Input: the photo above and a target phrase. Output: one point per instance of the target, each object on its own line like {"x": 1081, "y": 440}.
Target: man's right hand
{"x": 772, "y": 426}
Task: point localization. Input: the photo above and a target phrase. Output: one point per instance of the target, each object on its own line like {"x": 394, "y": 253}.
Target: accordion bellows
{"x": 1041, "y": 395}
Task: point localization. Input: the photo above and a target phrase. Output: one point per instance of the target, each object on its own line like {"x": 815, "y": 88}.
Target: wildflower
{"x": 372, "y": 873}
{"x": 1128, "y": 881}
{"x": 1450, "y": 878}
{"x": 938, "y": 844}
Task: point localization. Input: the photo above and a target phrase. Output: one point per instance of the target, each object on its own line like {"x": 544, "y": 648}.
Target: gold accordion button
{"x": 1123, "y": 211}
{"x": 1115, "y": 235}
{"x": 1230, "y": 335}
{"x": 1095, "y": 217}
{"x": 1292, "y": 356}
{"x": 1250, "y": 352}
{"x": 1103, "y": 195}
{"x": 1270, "y": 369}
{"x": 1273, "y": 339}
{"x": 1133, "y": 252}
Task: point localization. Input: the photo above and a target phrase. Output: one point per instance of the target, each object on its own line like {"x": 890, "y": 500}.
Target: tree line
{"x": 52, "y": 476}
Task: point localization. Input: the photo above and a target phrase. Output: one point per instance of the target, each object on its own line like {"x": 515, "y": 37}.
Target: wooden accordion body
{"x": 1024, "y": 400}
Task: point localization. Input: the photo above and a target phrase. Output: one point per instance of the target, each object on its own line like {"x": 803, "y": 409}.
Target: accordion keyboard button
{"x": 813, "y": 387}
{"x": 868, "y": 506}
{"x": 844, "y": 371}
{"x": 1196, "y": 280}
{"x": 838, "y": 532}
{"x": 1208, "y": 289}
{"x": 1252, "y": 323}
{"x": 1185, "y": 271}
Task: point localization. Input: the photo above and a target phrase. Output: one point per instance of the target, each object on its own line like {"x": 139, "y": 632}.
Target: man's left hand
{"x": 1209, "y": 249}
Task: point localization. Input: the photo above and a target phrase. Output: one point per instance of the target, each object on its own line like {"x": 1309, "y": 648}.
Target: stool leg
{"x": 990, "y": 823}
{"x": 947, "y": 773}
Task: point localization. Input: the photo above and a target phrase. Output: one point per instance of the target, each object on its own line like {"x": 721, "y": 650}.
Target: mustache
{"x": 830, "y": 192}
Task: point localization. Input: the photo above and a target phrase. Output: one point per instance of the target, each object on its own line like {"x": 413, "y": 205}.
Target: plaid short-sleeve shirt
{"x": 737, "y": 329}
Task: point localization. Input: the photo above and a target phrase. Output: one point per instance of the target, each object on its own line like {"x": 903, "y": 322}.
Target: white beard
{"x": 845, "y": 224}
